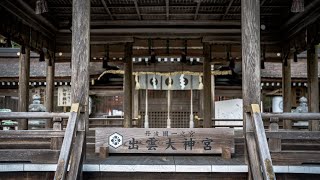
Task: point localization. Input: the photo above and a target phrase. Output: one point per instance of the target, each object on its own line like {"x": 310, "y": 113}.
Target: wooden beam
{"x": 24, "y": 74}
{"x": 107, "y": 9}
{"x": 254, "y": 161}
{"x": 137, "y": 8}
{"x": 207, "y": 96}
{"x": 227, "y": 10}
{"x": 24, "y": 12}
{"x": 197, "y": 9}
{"x": 50, "y": 89}
{"x": 131, "y": 31}
{"x": 292, "y": 116}
{"x": 262, "y": 144}
{"x": 286, "y": 134}
{"x": 286, "y": 93}
{"x": 167, "y": 10}
{"x": 128, "y": 86}
{"x": 32, "y": 115}
{"x": 64, "y": 156}
{"x": 24, "y": 134}
{"x": 77, "y": 157}
{"x": 31, "y": 155}
{"x": 313, "y": 83}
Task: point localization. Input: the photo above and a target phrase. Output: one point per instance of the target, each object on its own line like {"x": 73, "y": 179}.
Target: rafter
{"x": 197, "y": 9}
{"x": 227, "y": 10}
{"x": 167, "y": 9}
{"x": 262, "y": 2}
{"x": 107, "y": 9}
{"x": 137, "y": 9}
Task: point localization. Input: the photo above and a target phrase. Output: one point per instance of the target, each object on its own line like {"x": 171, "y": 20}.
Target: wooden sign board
{"x": 165, "y": 140}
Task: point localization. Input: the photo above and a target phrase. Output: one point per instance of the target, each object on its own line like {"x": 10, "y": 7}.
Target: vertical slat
{"x": 127, "y": 103}
{"x": 207, "y": 110}
{"x": 274, "y": 144}
{"x": 286, "y": 93}
{"x": 24, "y": 74}
{"x": 49, "y": 90}
{"x": 56, "y": 142}
{"x": 262, "y": 144}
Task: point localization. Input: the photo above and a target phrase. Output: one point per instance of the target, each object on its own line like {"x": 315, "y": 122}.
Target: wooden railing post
{"x": 274, "y": 143}
{"x": 56, "y": 142}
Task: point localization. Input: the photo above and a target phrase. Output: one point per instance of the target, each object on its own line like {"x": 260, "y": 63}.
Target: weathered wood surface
{"x": 292, "y": 116}
{"x": 207, "y": 106}
{"x": 294, "y": 135}
{"x": 56, "y": 143}
{"x": 313, "y": 82}
{"x": 262, "y": 144}
{"x": 296, "y": 157}
{"x": 76, "y": 158}
{"x": 30, "y": 155}
{"x": 24, "y": 75}
{"x": 274, "y": 143}
{"x": 286, "y": 93}
{"x": 156, "y": 140}
{"x": 67, "y": 143}
{"x": 32, "y": 115}
{"x": 24, "y": 134}
{"x": 253, "y": 157}
{"x": 50, "y": 89}
{"x": 127, "y": 86}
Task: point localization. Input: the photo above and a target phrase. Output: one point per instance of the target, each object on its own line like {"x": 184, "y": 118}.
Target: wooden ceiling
{"x": 215, "y": 21}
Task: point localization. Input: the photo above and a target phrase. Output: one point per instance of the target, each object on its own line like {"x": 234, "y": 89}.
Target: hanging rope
{"x": 215, "y": 73}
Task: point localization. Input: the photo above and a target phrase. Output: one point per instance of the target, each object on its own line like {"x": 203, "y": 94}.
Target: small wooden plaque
{"x": 165, "y": 140}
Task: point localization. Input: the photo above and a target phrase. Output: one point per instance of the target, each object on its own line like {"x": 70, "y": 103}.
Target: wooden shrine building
{"x": 135, "y": 89}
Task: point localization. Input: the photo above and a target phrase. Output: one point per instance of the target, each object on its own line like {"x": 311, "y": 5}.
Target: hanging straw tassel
{"x": 297, "y": 6}
{"x": 170, "y": 83}
{"x": 136, "y": 78}
{"x": 200, "y": 83}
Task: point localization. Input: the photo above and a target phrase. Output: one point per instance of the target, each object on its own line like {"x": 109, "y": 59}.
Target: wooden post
{"x": 274, "y": 144}
{"x": 207, "y": 108}
{"x": 127, "y": 103}
{"x": 286, "y": 93}
{"x": 24, "y": 75}
{"x": 146, "y": 116}
{"x": 250, "y": 32}
{"x": 213, "y": 97}
{"x": 313, "y": 84}
{"x": 80, "y": 58}
{"x": 49, "y": 90}
{"x": 57, "y": 126}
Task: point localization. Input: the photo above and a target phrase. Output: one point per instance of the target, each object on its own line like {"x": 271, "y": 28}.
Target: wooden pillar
{"x": 50, "y": 90}
{"x": 127, "y": 103}
{"x": 286, "y": 91}
{"x": 80, "y": 57}
{"x": 207, "y": 108}
{"x": 250, "y": 32}
{"x": 24, "y": 75}
{"x": 213, "y": 96}
{"x": 313, "y": 85}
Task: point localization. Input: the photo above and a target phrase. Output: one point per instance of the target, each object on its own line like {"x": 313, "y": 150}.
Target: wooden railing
{"x": 293, "y": 146}
{"x": 36, "y": 146}
{"x": 76, "y": 136}
{"x": 257, "y": 147}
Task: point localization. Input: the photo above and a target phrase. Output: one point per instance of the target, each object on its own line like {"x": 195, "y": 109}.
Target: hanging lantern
{"x": 41, "y": 7}
{"x": 297, "y": 6}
